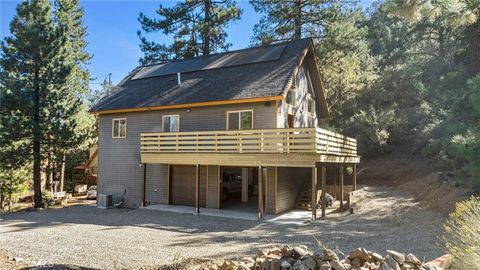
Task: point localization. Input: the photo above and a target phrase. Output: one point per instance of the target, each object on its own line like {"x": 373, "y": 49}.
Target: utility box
{"x": 105, "y": 201}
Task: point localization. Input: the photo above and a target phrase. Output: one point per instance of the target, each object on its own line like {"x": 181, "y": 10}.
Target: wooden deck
{"x": 296, "y": 147}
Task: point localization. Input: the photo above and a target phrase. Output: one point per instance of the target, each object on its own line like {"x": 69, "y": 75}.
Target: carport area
{"x": 239, "y": 189}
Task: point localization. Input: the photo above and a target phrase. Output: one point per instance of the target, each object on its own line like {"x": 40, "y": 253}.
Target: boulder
{"x": 299, "y": 265}
{"x": 413, "y": 259}
{"x": 356, "y": 262}
{"x": 390, "y": 261}
{"x": 265, "y": 265}
{"x": 262, "y": 253}
{"x": 243, "y": 267}
{"x": 300, "y": 251}
{"x": 275, "y": 264}
{"x": 397, "y": 256}
{"x": 337, "y": 265}
{"x": 310, "y": 263}
{"x": 275, "y": 251}
{"x": 376, "y": 257}
{"x": 360, "y": 253}
{"x": 329, "y": 255}
{"x": 285, "y": 265}
{"x": 325, "y": 266}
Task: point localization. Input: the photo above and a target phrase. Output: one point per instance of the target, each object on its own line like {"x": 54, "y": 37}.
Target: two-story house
{"x": 244, "y": 127}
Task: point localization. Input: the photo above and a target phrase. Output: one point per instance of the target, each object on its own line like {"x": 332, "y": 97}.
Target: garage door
{"x": 182, "y": 185}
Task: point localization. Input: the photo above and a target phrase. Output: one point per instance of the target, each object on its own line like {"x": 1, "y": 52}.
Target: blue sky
{"x": 112, "y": 27}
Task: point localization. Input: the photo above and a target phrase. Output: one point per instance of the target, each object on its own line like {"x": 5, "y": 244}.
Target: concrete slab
{"x": 203, "y": 211}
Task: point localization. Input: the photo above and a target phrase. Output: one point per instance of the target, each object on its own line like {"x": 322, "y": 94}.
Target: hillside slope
{"x": 409, "y": 172}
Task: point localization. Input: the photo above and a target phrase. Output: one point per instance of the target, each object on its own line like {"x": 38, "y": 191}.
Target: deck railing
{"x": 291, "y": 140}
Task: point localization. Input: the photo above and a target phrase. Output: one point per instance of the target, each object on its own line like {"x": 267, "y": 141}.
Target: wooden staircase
{"x": 304, "y": 199}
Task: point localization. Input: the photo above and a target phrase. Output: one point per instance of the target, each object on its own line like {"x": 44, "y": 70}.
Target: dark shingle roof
{"x": 248, "y": 73}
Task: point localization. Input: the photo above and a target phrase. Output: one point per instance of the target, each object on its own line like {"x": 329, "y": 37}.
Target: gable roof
{"x": 260, "y": 72}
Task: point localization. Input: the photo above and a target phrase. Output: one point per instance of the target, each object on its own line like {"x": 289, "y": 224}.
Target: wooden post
{"x": 244, "y": 184}
{"x": 260, "y": 192}
{"x": 314, "y": 193}
{"x": 144, "y": 184}
{"x": 354, "y": 177}
{"x": 324, "y": 189}
{"x": 197, "y": 189}
{"x": 341, "y": 187}
{"x": 335, "y": 180}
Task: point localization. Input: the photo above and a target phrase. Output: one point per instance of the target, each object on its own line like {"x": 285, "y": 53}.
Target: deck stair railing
{"x": 291, "y": 140}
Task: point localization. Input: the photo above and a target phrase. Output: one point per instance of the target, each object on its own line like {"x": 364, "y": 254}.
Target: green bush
{"x": 462, "y": 235}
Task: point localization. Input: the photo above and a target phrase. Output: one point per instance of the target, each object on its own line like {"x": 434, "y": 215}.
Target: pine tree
{"x": 457, "y": 13}
{"x": 197, "y": 26}
{"x": 285, "y": 20}
{"x": 42, "y": 77}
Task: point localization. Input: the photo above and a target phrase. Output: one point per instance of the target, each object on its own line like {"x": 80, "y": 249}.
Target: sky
{"x": 112, "y": 32}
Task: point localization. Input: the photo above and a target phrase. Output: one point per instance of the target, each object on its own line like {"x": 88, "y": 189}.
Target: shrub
{"x": 462, "y": 234}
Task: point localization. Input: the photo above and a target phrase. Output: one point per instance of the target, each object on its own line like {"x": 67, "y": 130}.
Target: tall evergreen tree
{"x": 197, "y": 26}
{"x": 285, "y": 20}
{"x": 42, "y": 77}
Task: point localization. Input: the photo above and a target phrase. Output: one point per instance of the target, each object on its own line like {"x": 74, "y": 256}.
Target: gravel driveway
{"x": 122, "y": 238}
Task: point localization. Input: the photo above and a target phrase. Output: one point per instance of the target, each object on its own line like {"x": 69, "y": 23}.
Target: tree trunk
{"x": 206, "y": 34}
{"x": 298, "y": 19}
{"x": 473, "y": 49}
{"x": 62, "y": 173}
{"x": 48, "y": 173}
{"x": 36, "y": 142}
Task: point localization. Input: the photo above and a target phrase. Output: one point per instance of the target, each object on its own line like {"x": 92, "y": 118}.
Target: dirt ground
{"x": 404, "y": 170}
{"x": 84, "y": 236}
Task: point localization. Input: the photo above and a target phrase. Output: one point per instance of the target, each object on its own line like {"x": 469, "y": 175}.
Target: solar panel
{"x": 235, "y": 58}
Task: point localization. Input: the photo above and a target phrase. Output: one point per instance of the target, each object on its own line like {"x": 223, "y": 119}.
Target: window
{"x": 291, "y": 98}
{"x": 240, "y": 120}
{"x": 311, "y": 105}
{"x": 171, "y": 123}
{"x": 119, "y": 128}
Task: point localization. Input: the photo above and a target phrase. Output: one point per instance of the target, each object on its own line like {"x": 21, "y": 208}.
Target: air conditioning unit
{"x": 105, "y": 201}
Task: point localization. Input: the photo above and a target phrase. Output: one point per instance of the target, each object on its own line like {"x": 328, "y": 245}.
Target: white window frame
{"x": 170, "y": 115}
{"x": 239, "y": 118}
{"x": 113, "y": 128}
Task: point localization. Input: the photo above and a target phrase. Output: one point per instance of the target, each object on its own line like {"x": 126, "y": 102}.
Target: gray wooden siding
{"x": 119, "y": 159}
{"x": 213, "y": 184}
{"x": 270, "y": 207}
{"x": 289, "y": 185}
{"x": 300, "y": 111}
{"x": 156, "y": 186}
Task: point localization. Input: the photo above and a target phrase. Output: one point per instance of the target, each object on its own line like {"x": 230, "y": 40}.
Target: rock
{"x": 408, "y": 266}
{"x": 265, "y": 265}
{"x": 285, "y": 265}
{"x": 300, "y": 251}
{"x": 356, "y": 262}
{"x": 275, "y": 251}
{"x": 310, "y": 263}
{"x": 391, "y": 262}
{"x": 360, "y": 253}
{"x": 325, "y": 266}
{"x": 288, "y": 253}
{"x": 18, "y": 259}
{"x": 275, "y": 264}
{"x": 299, "y": 265}
{"x": 397, "y": 256}
{"x": 329, "y": 255}
{"x": 247, "y": 259}
{"x": 376, "y": 257}
{"x": 262, "y": 253}
{"x": 243, "y": 267}
{"x": 337, "y": 265}
{"x": 413, "y": 259}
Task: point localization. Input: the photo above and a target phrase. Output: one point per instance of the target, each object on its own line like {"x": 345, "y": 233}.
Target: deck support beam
{"x": 314, "y": 193}
{"x": 323, "y": 177}
{"x": 260, "y": 192}
{"x": 354, "y": 177}
{"x": 144, "y": 201}
{"x": 342, "y": 191}
{"x": 335, "y": 181}
{"x": 197, "y": 189}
